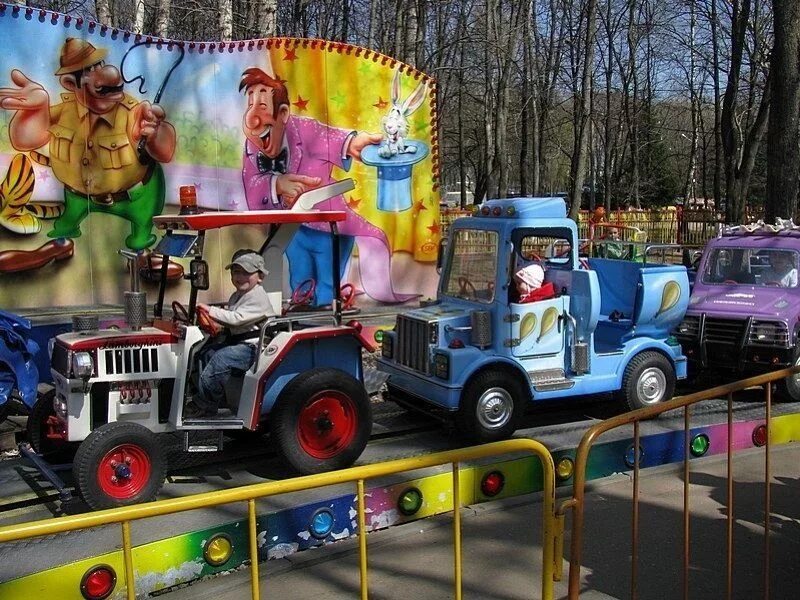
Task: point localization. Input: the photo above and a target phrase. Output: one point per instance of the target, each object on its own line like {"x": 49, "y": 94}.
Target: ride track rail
{"x": 183, "y": 464}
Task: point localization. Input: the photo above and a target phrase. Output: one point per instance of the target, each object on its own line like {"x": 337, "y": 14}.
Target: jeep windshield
{"x": 472, "y": 268}
{"x": 752, "y": 266}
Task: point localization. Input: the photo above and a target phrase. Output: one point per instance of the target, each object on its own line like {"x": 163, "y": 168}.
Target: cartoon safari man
{"x": 285, "y": 156}
{"x": 93, "y": 134}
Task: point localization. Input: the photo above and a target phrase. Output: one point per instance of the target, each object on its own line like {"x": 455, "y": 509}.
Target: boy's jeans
{"x": 217, "y": 372}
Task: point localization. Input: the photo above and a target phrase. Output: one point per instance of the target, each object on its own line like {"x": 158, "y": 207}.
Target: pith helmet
{"x": 77, "y": 54}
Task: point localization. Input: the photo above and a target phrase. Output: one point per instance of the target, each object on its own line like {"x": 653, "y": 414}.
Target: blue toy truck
{"x": 482, "y": 357}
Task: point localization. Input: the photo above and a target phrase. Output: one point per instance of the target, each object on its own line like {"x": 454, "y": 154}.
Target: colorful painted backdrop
{"x": 81, "y": 180}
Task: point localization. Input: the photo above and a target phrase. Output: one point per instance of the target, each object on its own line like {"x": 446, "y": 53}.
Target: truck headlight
{"x": 441, "y": 365}
{"x": 82, "y": 365}
{"x": 387, "y": 346}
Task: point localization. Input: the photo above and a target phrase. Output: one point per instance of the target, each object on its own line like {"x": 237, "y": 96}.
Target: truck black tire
{"x": 119, "y": 464}
{"x": 53, "y": 451}
{"x": 649, "y": 379}
{"x": 321, "y": 421}
{"x": 491, "y": 407}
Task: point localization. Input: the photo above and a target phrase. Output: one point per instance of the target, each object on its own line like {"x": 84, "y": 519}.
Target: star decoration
{"x": 381, "y": 103}
{"x": 364, "y": 68}
{"x": 42, "y": 175}
{"x": 353, "y": 202}
{"x": 291, "y": 55}
{"x": 338, "y": 99}
{"x": 419, "y": 205}
{"x": 301, "y": 103}
{"x": 435, "y": 228}
{"x": 197, "y": 185}
{"x": 420, "y": 126}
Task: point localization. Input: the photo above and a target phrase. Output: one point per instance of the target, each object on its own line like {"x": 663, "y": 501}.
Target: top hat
{"x": 77, "y": 54}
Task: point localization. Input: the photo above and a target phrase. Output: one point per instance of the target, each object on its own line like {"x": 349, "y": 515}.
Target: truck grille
{"x": 730, "y": 331}
{"x": 413, "y": 340}
{"x": 724, "y": 331}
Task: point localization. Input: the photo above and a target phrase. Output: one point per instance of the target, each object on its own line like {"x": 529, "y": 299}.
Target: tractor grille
{"x": 414, "y": 338}
{"x": 124, "y": 361}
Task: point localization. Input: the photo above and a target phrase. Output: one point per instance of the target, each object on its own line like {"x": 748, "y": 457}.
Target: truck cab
{"x": 744, "y": 311}
{"x": 483, "y": 357}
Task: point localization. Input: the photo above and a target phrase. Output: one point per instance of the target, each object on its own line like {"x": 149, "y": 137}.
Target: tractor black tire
{"x": 321, "y": 421}
{"x": 119, "y": 464}
{"x": 53, "y": 451}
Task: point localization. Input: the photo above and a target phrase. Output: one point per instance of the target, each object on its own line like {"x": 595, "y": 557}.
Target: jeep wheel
{"x": 491, "y": 407}
{"x": 119, "y": 464}
{"x": 649, "y": 379}
{"x": 789, "y": 387}
{"x": 321, "y": 421}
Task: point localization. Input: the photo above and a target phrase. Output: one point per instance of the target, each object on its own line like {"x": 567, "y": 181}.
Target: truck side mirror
{"x": 198, "y": 274}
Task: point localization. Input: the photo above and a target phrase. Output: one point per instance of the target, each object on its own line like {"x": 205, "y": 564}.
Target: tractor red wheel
{"x": 321, "y": 421}
{"x": 124, "y": 471}
{"x": 119, "y": 464}
{"x": 327, "y": 424}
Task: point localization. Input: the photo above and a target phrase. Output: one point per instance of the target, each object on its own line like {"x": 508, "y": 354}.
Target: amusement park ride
{"x": 116, "y": 390}
{"x": 480, "y": 355}
{"x": 474, "y": 354}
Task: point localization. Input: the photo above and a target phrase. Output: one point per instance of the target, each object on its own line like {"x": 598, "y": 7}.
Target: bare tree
{"x": 783, "y": 160}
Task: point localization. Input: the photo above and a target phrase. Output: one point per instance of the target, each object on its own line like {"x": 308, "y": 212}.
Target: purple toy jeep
{"x": 744, "y": 312}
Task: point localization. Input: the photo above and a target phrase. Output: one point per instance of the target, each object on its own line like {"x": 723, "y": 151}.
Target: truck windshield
{"x": 752, "y": 266}
{"x": 472, "y": 270}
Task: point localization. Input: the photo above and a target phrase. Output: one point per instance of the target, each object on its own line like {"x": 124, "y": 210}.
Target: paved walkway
{"x": 502, "y": 544}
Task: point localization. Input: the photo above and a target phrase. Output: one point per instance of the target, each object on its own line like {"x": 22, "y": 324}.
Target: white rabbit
{"x": 395, "y": 124}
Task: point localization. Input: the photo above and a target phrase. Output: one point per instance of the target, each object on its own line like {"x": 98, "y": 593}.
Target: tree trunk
{"x": 583, "y": 114}
{"x": 162, "y": 18}
{"x": 731, "y": 133}
{"x": 225, "y": 8}
{"x": 783, "y": 160}
{"x": 103, "y": 8}
{"x": 138, "y": 17}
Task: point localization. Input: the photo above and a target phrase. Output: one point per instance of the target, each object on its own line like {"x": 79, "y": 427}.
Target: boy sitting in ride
{"x": 530, "y": 284}
{"x": 248, "y": 305}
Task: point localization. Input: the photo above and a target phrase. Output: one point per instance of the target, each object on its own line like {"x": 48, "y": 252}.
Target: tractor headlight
{"x": 60, "y": 406}
{"x": 82, "y": 365}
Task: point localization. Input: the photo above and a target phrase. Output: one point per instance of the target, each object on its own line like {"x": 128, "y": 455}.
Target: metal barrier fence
{"x": 668, "y": 225}
{"x": 577, "y": 503}
{"x": 552, "y": 526}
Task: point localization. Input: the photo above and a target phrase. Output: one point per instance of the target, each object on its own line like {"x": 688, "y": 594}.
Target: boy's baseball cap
{"x": 250, "y": 262}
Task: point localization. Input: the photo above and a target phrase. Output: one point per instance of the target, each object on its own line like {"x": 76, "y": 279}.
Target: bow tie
{"x": 272, "y": 165}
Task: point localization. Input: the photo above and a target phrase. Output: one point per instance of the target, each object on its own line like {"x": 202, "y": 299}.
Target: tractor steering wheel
{"x": 207, "y": 324}
{"x": 179, "y": 313}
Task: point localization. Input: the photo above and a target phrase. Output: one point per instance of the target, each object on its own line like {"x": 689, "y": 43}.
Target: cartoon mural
{"x": 250, "y": 124}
